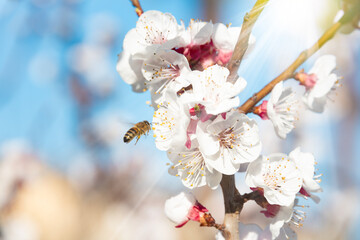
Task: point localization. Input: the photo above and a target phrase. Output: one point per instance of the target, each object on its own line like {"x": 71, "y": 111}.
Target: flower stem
{"x": 138, "y": 8}
{"x": 304, "y": 55}
{"x": 243, "y": 40}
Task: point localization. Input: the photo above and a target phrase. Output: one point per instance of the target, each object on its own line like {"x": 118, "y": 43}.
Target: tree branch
{"x": 243, "y": 40}
{"x": 232, "y": 209}
{"x": 289, "y": 72}
{"x": 138, "y": 8}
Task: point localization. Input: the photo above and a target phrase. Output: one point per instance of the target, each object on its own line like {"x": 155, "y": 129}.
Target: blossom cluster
{"x": 196, "y": 121}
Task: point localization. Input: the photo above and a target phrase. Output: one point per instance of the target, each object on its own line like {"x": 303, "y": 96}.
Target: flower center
{"x": 228, "y": 138}
{"x": 154, "y": 35}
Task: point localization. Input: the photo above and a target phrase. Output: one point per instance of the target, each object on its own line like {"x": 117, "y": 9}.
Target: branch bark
{"x": 232, "y": 209}
{"x": 243, "y": 40}
{"x": 304, "y": 55}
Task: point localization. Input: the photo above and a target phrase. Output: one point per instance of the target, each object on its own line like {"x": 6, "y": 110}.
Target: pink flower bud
{"x": 261, "y": 110}
{"x": 183, "y": 208}
{"x": 307, "y": 80}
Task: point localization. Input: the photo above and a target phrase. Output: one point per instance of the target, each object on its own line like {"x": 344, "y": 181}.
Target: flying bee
{"x": 140, "y": 128}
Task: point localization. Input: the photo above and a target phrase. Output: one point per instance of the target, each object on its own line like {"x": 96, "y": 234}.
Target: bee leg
{"x": 137, "y": 139}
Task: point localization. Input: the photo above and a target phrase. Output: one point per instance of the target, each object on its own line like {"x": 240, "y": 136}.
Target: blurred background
{"x": 65, "y": 172}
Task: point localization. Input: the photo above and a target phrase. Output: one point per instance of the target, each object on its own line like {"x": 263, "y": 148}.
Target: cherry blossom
{"x": 162, "y": 72}
{"x": 212, "y": 90}
{"x": 276, "y": 176}
{"x": 191, "y": 167}
{"x": 305, "y": 162}
{"x": 183, "y": 208}
{"x": 205, "y": 44}
{"x": 224, "y": 39}
{"x": 170, "y": 122}
{"x": 280, "y": 109}
{"x": 281, "y": 218}
{"x": 154, "y": 29}
{"x": 227, "y": 143}
{"x": 318, "y": 82}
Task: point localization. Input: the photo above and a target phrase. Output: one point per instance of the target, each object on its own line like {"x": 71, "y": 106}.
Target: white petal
{"x": 324, "y": 65}
{"x": 225, "y": 38}
{"x": 213, "y": 178}
{"x": 200, "y": 32}
{"x": 155, "y": 27}
{"x": 177, "y": 208}
{"x": 324, "y": 85}
{"x": 221, "y": 164}
{"x": 169, "y": 123}
{"x": 275, "y": 228}
{"x": 253, "y": 173}
{"x": 208, "y": 144}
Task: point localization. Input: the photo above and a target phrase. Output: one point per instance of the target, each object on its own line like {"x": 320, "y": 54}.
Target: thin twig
{"x": 243, "y": 40}
{"x": 304, "y": 55}
{"x": 138, "y": 8}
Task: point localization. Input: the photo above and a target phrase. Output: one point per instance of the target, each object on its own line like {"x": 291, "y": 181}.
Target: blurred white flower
{"x": 183, "y": 208}
{"x": 227, "y": 143}
{"x": 18, "y": 164}
{"x": 92, "y": 62}
{"x": 277, "y": 176}
{"x": 19, "y": 228}
{"x": 318, "y": 82}
{"x": 279, "y": 109}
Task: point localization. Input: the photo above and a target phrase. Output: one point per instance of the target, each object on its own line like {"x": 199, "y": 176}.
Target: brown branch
{"x": 289, "y": 72}
{"x": 138, "y": 8}
{"x": 243, "y": 40}
{"x": 232, "y": 208}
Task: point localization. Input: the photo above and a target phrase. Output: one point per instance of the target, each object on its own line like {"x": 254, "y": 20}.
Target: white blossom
{"x": 170, "y": 122}
{"x": 177, "y": 208}
{"x": 191, "y": 167}
{"x": 162, "y": 72}
{"x": 281, "y": 109}
{"x": 305, "y": 162}
{"x": 319, "y": 82}
{"x": 182, "y": 208}
{"x": 225, "y": 38}
{"x": 277, "y": 176}
{"x": 198, "y": 33}
{"x": 281, "y": 217}
{"x": 212, "y": 90}
{"x": 154, "y": 29}
{"x": 129, "y": 70}
{"x": 227, "y": 143}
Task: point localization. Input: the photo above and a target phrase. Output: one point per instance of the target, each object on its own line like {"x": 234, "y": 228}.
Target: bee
{"x": 140, "y": 128}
